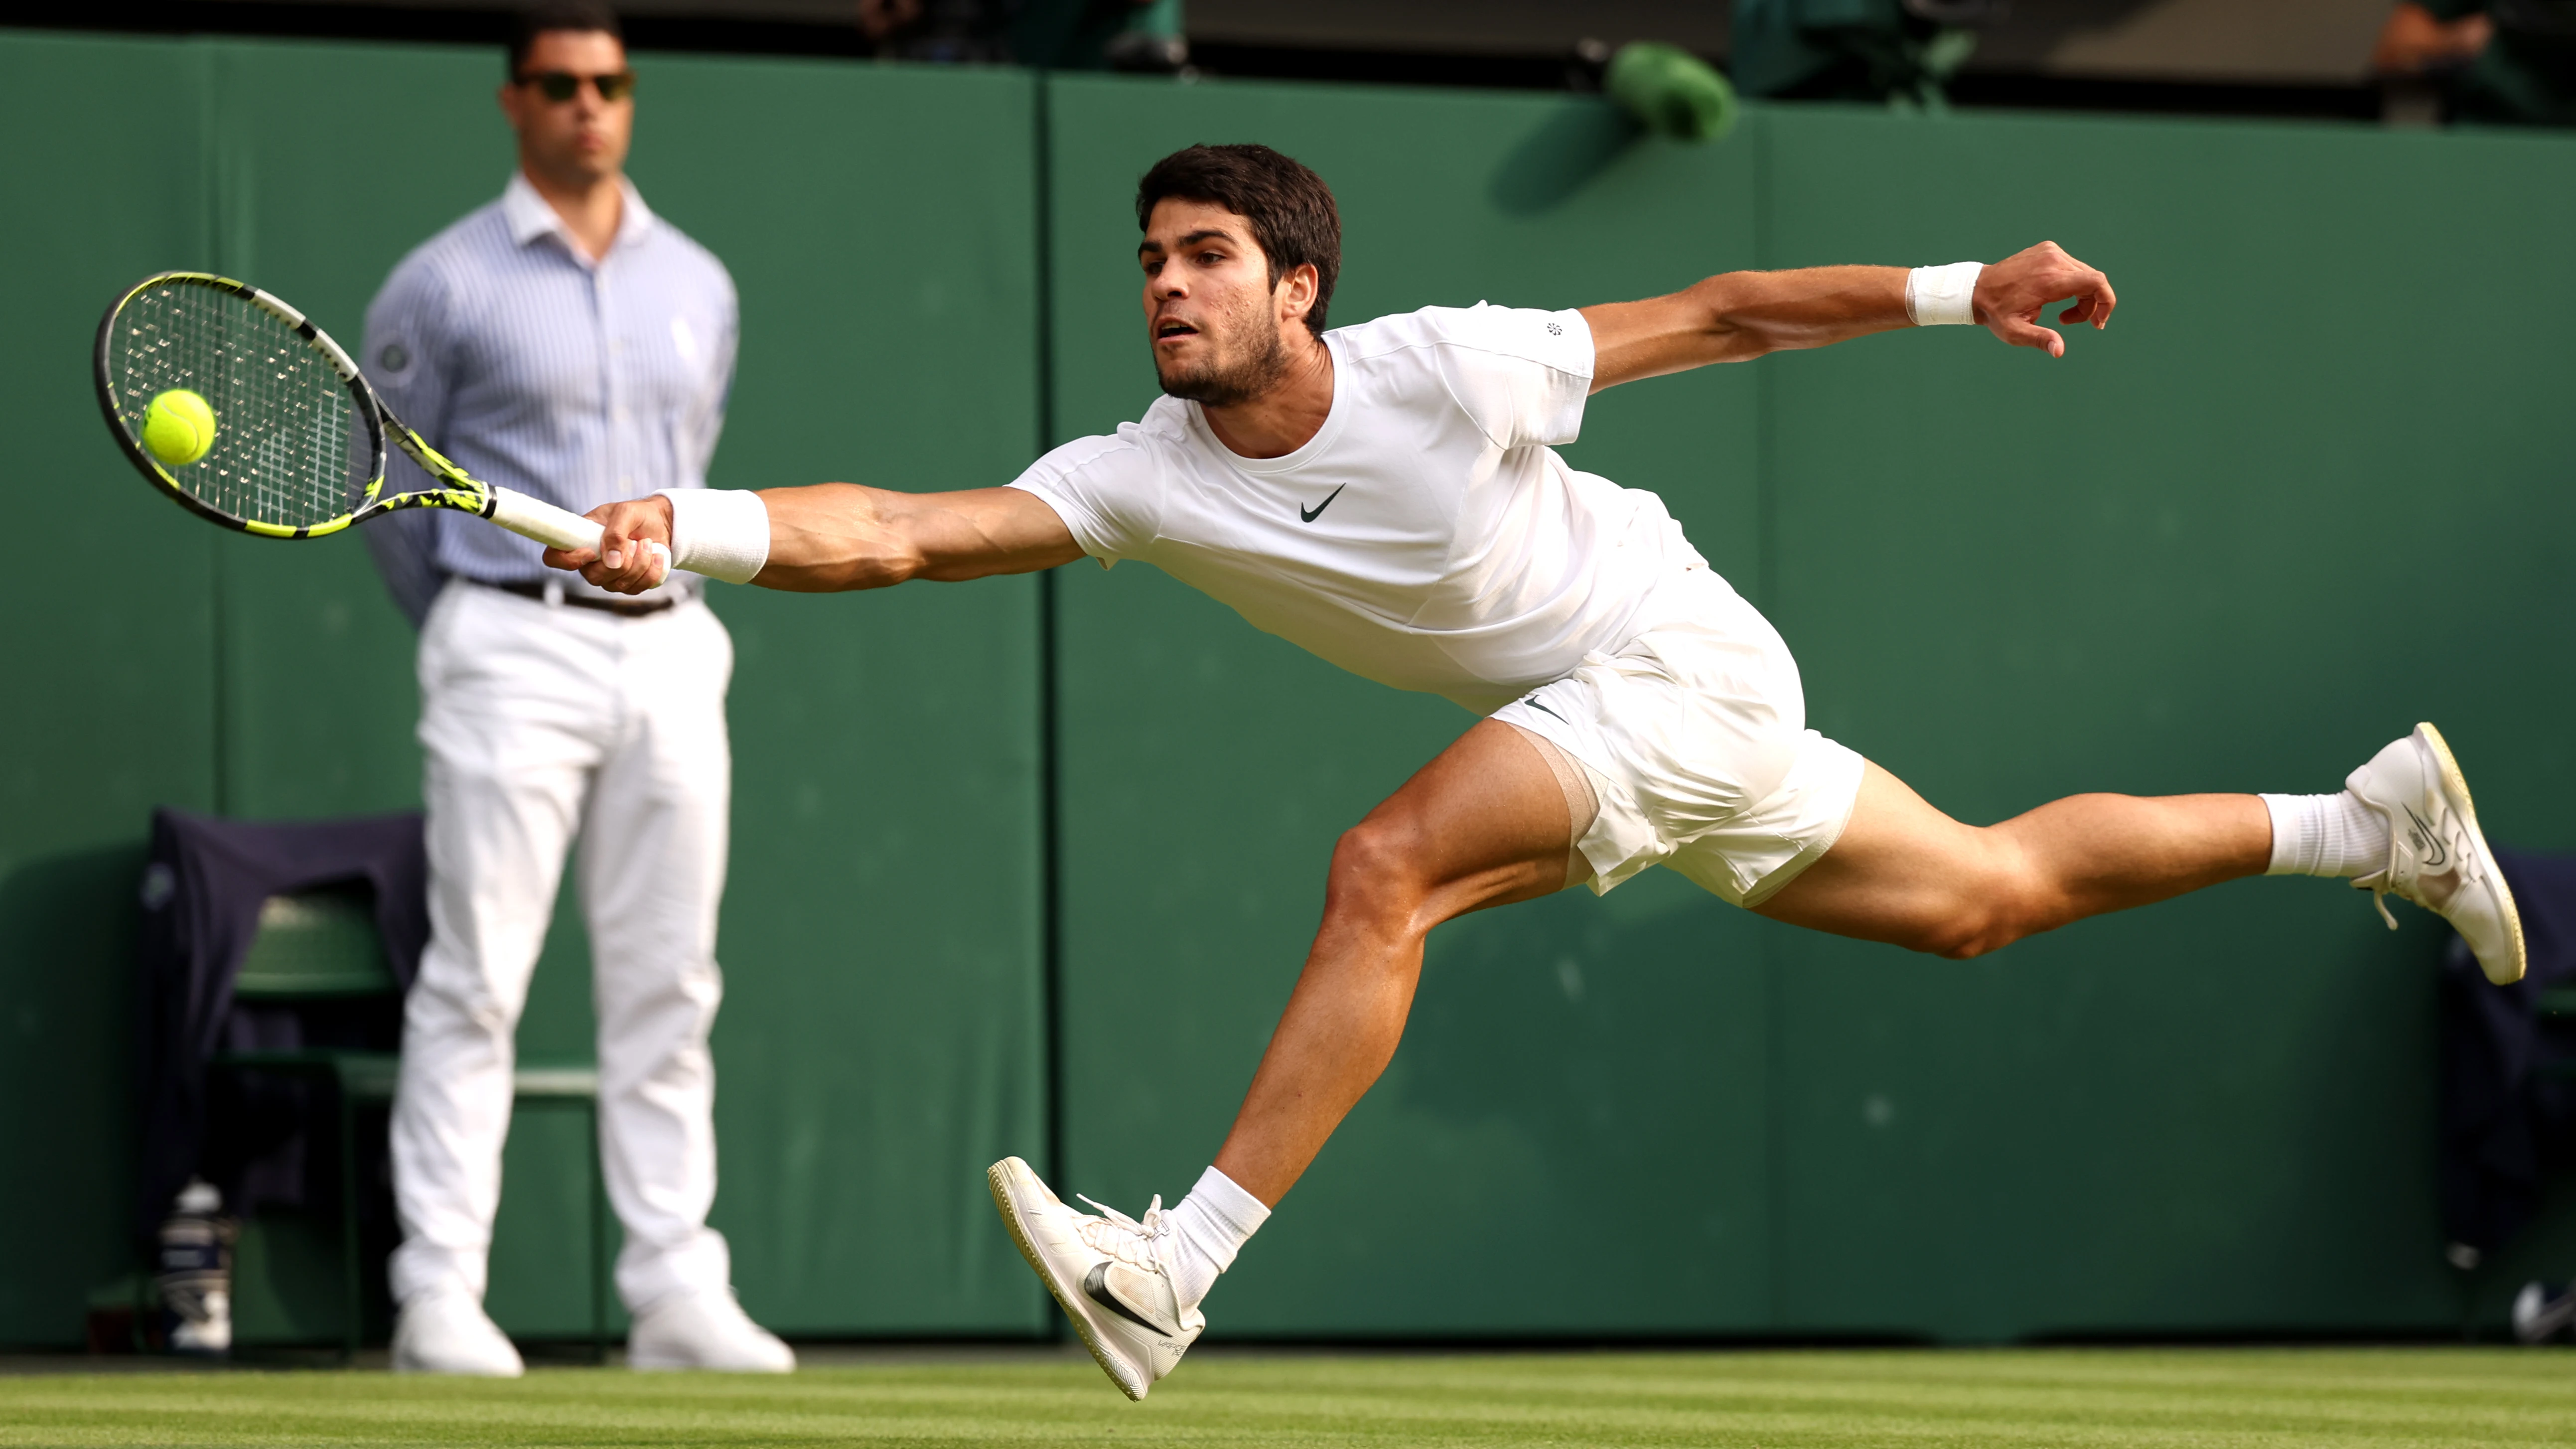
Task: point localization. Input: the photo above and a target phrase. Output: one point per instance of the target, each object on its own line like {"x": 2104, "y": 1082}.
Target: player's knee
{"x": 1965, "y": 936}
{"x": 1372, "y": 876}
{"x": 1963, "y": 933}
{"x": 1987, "y": 911}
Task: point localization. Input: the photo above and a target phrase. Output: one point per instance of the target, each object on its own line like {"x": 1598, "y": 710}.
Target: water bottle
{"x": 196, "y": 1273}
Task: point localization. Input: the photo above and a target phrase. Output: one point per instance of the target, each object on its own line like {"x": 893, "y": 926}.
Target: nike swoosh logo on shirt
{"x": 1095, "y": 1286}
{"x": 1309, "y": 515}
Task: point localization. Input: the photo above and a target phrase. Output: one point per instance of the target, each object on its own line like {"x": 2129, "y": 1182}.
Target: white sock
{"x": 2325, "y": 835}
{"x": 1210, "y": 1226}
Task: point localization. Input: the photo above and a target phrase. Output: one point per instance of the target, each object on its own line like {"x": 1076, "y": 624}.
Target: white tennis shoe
{"x": 1112, "y": 1274}
{"x": 2436, "y": 856}
{"x": 2537, "y": 1317}
{"x": 704, "y": 1329}
{"x": 445, "y": 1331}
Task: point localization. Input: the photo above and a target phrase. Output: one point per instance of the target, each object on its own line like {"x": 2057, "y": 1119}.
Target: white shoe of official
{"x": 2436, "y": 856}
{"x": 2537, "y": 1317}
{"x": 1111, "y": 1273}
{"x": 449, "y": 1333}
{"x": 705, "y": 1329}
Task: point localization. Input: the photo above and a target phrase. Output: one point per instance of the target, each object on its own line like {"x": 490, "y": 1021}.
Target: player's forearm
{"x": 1741, "y": 315}
{"x": 1764, "y": 312}
{"x": 1738, "y": 316}
{"x": 840, "y": 536}
{"x": 827, "y": 538}
{"x": 833, "y": 537}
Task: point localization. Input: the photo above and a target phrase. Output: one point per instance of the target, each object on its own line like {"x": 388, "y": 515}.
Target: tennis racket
{"x": 298, "y": 446}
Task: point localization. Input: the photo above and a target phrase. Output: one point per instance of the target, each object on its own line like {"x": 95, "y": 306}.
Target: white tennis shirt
{"x": 1427, "y": 537}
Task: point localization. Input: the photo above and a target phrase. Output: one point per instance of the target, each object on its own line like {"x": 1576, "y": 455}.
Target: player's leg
{"x": 2404, "y": 824}
{"x": 1484, "y": 824}
{"x": 1905, "y": 873}
{"x": 1487, "y": 823}
{"x": 503, "y": 783}
{"x": 652, "y": 866}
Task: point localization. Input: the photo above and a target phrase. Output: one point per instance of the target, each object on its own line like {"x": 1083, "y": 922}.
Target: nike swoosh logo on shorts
{"x": 1309, "y": 515}
{"x": 1095, "y": 1285}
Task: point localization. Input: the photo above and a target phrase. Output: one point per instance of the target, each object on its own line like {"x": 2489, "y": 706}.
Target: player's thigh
{"x": 1902, "y": 872}
{"x": 1484, "y": 824}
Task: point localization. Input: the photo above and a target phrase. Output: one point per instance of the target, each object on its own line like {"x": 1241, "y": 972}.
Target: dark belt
{"x": 623, "y": 608}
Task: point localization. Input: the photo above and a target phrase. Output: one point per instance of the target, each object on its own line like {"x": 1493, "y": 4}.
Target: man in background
{"x": 2498, "y": 62}
{"x": 566, "y": 342}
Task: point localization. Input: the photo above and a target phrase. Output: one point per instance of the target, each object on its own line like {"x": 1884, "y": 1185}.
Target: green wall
{"x": 1573, "y": 1067}
{"x": 881, "y": 1036}
{"x": 123, "y": 683}
{"x": 2300, "y": 496}
{"x": 2294, "y": 499}
{"x": 2233, "y": 543}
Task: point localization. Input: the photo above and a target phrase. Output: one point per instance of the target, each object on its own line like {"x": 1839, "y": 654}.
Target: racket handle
{"x": 555, "y": 527}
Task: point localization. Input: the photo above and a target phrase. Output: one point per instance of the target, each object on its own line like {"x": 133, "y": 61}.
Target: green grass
{"x": 2273, "y": 1398}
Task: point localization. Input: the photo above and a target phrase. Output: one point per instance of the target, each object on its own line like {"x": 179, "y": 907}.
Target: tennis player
{"x": 1387, "y": 496}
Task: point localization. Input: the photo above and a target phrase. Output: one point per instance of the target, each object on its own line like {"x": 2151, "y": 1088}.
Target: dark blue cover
{"x": 2507, "y": 1122}
{"x": 202, "y": 892}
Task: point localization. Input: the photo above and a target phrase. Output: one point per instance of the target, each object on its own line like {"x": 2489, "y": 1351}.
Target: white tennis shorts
{"x": 1695, "y": 737}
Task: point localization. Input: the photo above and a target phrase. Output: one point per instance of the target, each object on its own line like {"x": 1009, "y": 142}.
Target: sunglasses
{"x": 560, "y": 86}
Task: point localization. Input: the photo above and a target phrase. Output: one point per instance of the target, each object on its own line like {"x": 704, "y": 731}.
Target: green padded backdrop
{"x": 1577, "y": 1072}
{"x": 110, "y": 706}
{"x": 2303, "y": 492}
{"x": 2306, "y": 490}
{"x": 2233, "y": 543}
{"x": 881, "y": 1037}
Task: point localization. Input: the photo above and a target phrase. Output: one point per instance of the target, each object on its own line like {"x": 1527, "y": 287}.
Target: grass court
{"x": 2203, "y": 1398}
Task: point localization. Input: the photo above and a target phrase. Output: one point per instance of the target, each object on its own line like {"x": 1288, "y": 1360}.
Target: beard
{"x": 1224, "y": 381}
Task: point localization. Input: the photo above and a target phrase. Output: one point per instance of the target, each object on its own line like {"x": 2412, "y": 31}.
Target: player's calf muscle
{"x": 2083, "y": 856}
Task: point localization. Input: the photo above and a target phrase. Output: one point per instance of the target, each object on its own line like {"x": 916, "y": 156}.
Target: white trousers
{"x": 540, "y": 723}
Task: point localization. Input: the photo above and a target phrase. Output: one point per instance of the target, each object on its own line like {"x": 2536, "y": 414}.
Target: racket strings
{"x": 283, "y": 452}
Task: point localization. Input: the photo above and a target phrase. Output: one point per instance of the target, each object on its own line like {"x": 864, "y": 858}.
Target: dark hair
{"x": 1291, "y": 210}
{"x": 546, "y": 15}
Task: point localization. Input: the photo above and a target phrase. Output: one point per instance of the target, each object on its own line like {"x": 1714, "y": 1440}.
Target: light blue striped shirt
{"x": 537, "y": 369}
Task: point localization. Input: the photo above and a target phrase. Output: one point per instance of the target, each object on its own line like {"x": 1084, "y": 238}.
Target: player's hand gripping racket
{"x": 231, "y": 402}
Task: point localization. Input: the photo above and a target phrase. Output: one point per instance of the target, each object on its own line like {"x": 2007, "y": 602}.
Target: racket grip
{"x": 556, "y": 527}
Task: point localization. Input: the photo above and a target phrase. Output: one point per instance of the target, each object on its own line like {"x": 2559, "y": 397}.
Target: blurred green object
{"x": 1671, "y": 91}
{"x": 1900, "y": 53}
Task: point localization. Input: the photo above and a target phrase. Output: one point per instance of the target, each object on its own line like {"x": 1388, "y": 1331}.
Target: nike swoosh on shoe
{"x": 1095, "y": 1286}
{"x": 2438, "y": 858}
{"x": 2436, "y": 850}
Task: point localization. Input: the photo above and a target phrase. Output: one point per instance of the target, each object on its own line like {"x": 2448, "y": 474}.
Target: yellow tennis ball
{"x": 178, "y": 428}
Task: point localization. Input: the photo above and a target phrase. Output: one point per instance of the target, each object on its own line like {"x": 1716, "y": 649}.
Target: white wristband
{"x": 1943, "y": 296}
{"x": 722, "y": 533}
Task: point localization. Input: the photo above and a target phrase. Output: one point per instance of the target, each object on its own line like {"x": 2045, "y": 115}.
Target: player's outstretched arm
{"x": 836, "y": 536}
{"x": 1738, "y": 316}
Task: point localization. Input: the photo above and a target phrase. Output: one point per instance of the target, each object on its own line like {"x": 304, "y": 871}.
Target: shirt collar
{"x": 530, "y": 217}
